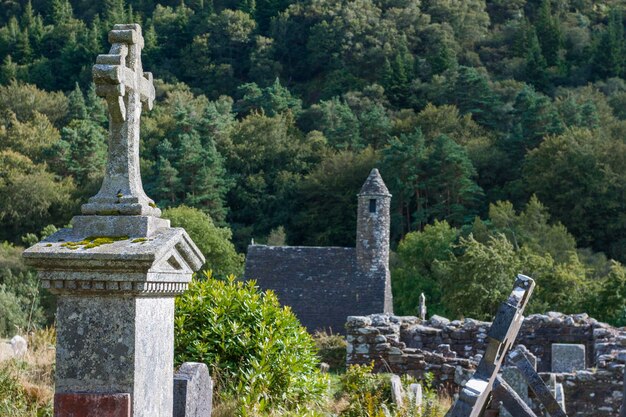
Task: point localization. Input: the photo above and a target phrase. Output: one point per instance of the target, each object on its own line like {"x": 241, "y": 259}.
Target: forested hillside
{"x": 499, "y": 127}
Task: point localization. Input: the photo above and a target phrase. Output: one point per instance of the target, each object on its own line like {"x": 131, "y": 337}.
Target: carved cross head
{"x": 120, "y": 79}
{"x": 120, "y": 71}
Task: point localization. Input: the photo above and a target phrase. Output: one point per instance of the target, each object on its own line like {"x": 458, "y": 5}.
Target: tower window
{"x": 373, "y": 205}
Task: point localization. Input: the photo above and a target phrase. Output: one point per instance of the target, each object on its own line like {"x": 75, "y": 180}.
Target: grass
{"x": 26, "y": 389}
{"x": 26, "y": 384}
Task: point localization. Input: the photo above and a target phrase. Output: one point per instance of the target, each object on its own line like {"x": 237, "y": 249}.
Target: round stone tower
{"x": 372, "y": 235}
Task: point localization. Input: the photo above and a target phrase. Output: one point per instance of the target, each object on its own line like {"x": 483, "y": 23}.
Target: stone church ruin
{"x": 324, "y": 285}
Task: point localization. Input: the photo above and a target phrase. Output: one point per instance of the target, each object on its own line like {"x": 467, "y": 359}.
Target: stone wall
{"x": 450, "y": 350}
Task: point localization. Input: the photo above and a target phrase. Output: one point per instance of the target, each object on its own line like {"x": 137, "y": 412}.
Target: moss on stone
{"x": 93, "y": 242}
{"x": 139, "y": 240}
{"x": 152, "y": 205}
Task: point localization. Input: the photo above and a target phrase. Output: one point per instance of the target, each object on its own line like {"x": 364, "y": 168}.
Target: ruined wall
{"x": 450, "y": 350}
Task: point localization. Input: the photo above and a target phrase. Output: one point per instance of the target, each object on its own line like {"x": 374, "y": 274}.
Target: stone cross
{"x": 117, "y": 270}
{"x": 476, "y": 394}
{"x": 120, "y": 79}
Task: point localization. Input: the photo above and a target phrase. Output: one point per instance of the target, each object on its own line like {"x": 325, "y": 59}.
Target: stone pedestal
{"x": 115, "y": 315}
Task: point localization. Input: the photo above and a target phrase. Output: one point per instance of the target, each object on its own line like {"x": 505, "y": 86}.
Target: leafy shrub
{"x": 24, "y": 305}
{"x": 331, "y": 349}
{"x": 366, "y": 392}
{"x": 12, "y": 317}
{"x": 256, "y": 349}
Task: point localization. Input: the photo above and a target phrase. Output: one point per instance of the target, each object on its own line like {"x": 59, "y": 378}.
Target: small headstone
{"x": 422, "y": 306}
{"x": 416, "y": 397}
{"x": 567, "y": 357}
{"x": 193, "y": 391}
{"x": 559, "y": 394}
{"x": 19, "y": 346}
{"x": 622, "y": 411}
{"x": 397, "y": 392}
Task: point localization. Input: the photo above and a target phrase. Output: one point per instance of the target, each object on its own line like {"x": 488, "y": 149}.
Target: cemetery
{"x": 143, "y": 327}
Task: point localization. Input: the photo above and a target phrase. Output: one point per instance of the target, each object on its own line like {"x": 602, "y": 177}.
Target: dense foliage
{"x": 270, "y": 114}
{"x": 257, "y": 350}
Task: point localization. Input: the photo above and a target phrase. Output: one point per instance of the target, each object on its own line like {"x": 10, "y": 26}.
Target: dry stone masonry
{"x": 451, "y": 350}
{"x": 117, "y": 270}
{"x": 323, "y": 285}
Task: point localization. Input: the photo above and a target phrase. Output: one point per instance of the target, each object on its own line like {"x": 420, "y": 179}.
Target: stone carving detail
{"x": 120, "y": 79}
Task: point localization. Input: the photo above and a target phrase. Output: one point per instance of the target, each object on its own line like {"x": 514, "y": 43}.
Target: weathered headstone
{"x": 568, "y": 357}
{"x": 544, "y": 395}
{"x": 422, "y": 307}
{"x": 509, "y": 399}
{"x": 514, "y": 377}
{"x": 19, "y": 346}
{"x": 117, "y": 270}
{"x": 397, "y": 391}
{"x": 416, "y": 397}
{"x": 193, "y": 391}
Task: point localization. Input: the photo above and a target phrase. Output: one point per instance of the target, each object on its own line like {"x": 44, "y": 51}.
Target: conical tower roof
{"x": 374, "y": 185}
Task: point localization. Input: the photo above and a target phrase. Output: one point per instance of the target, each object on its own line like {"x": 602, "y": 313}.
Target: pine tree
{"x": 77, "y": 108}
{"x": 115, "y": 11}
{"x": 472, "y": 94}
{"x": 610, "y": 54}
{"x": 28, "y": 16}
{"x": 536, "y": 64}
{"x": 61, "y": 12}
{"x": 404, "y": 159}
{"x": 549, "y": 34}
{"x": 453, "y": 194}
{"x": 96, "y": 107}
{"x": 8, "y": 70}
{"x": 23, "y": 50}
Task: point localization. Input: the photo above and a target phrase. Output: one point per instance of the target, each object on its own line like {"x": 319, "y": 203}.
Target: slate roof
{"x": 321, "y": 284}
{"x": 374, "y": 185}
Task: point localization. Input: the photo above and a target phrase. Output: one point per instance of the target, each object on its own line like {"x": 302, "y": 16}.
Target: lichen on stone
{"x": 93, "y": 242}
{"x": 139, "y": 240}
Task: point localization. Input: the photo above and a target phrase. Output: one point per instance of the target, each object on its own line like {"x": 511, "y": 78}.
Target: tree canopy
{"x": 270, "y": 113}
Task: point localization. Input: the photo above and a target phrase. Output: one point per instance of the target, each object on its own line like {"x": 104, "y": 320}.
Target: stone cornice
{"x": 146, "y": 288}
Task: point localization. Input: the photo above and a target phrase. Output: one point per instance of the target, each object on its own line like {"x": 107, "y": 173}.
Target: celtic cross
{"x": 120, "y": 79}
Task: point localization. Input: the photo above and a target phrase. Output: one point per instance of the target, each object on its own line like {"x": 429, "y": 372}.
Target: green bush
{"x": 12, "y": 317}
{"x": 257, "y": 350}
{"x": 331, "y": 350}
